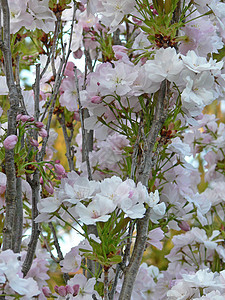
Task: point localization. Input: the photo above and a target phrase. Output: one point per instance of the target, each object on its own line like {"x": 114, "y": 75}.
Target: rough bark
{"x": 144, "y": 172}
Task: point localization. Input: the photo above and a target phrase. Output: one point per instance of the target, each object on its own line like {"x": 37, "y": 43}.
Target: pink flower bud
{"x": 34, "y": 143}
{"x": 10, "y": 142}
{"x": 56, "y": 288}
{"x": 18, "y": 117}
{"x": 69, "y": 289}
{"x": 46, "y": 291}
{"x": 96, "y": 99}
{"x": 49, "y": 188}
{"x": 25, "y": 118}
{"x": 39, "y": 124}
{"x": 59, "y": 169}
{"x": 76, "y": 288}
{"x": 41, "y": 180}
{"x": 42, "y": 132}
{"x": 62, "y": 291}
{"x": 184, "y": 226}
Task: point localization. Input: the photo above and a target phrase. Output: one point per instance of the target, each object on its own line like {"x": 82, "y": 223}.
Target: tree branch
{"x": 12, "y": 112}
{"x": 142, "y": 224}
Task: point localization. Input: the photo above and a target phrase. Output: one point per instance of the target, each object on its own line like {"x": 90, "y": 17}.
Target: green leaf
{"x": 115, "y": 259}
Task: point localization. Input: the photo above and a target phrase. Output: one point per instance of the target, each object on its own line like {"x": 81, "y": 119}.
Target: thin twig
{"x": 56, "y": 260}
{"x": 35, "y": 185}
{"x": 55, "y": 37}
{"x": 68, "y": 139}
{"x": 58, "y": 249}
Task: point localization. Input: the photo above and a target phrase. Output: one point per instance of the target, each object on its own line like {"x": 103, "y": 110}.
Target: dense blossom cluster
{"x": 131, "y": 57}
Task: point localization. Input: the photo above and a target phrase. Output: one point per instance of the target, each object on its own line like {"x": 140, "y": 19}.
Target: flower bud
{"x": 34, "y": 142}
{"x": 18, "y": 117}
{"x": 96, "y": 99}
{"x": 46, "y": 291}
{"x": 25, "y": 118}
{"x": 76, "y": 288}
{"x": 39, "y": 124}
{"x": 59, "y": 169}
{"x": 62, "y": 291}
{"x": 49, "y": 188}
{"x": 184, "y": 226}
{"x": 69, "y": 289}
{"x": 10, "y": 142}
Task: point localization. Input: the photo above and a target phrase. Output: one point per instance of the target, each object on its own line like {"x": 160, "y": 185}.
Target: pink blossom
{"x": 43, "y": 17}
{"x": 71, "y": 261}
{"x": 2, "y": 183}
{"x": 10, "y": 142}
{"x": 154, "y": 238}
{"x": 69, "y": 96}
{"x": 69, "y": 71}
{"x": 3, "y": 86}
{"x": 86, "y": 286}
{"x": 97, "y": 211}
{"x": 19, "y": 16}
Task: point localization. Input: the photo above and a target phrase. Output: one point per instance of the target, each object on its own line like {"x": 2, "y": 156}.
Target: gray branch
{"x": 142, "y": 224}
{"x": 12, "y": 112}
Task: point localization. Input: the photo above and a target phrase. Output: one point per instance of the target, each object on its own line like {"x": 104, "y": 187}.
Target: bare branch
{"x": 142, "y": 224}
{"x": 82, "y": 128}
{"x": 12, "y": 112}
{"x": 35, "y": 185}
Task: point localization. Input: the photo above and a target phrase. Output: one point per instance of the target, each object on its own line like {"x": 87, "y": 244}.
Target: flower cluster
{"x": 95, "y": 201}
